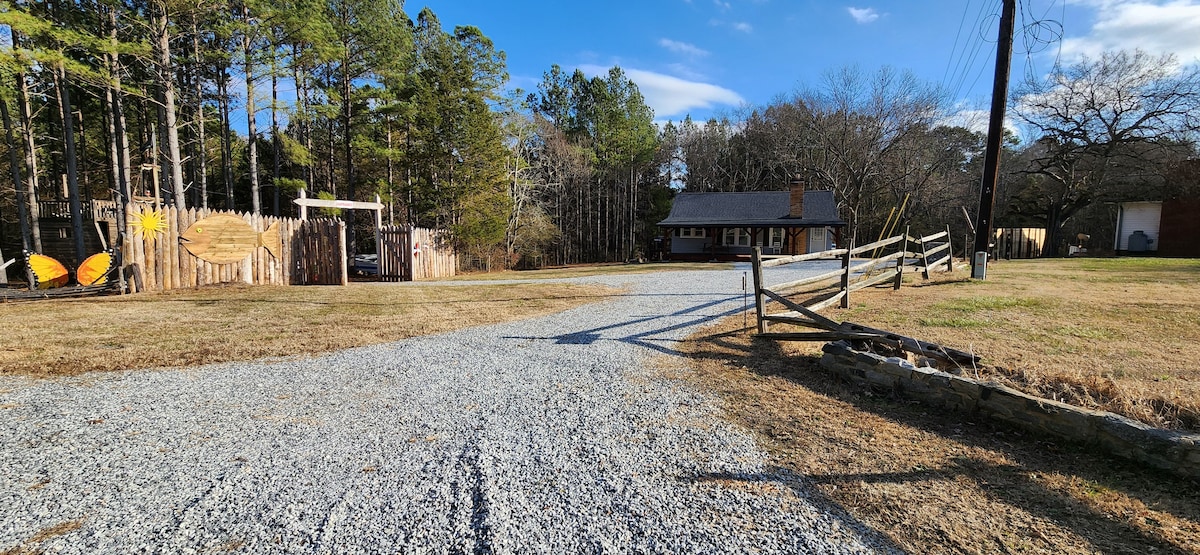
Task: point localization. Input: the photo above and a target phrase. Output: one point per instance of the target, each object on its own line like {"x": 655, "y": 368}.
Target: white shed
{"x": 1134, "y": 217}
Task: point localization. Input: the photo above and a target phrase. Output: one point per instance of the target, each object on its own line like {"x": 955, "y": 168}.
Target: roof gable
{"x": 757, "y": 208}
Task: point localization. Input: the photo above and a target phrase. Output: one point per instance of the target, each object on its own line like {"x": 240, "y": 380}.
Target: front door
{"x": 817, "y": 241}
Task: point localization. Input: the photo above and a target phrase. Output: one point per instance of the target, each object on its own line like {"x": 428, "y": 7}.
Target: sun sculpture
{"x": 149, "y": 222}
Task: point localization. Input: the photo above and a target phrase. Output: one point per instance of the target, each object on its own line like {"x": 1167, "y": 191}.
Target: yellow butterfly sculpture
{"x": 49, "y": 273}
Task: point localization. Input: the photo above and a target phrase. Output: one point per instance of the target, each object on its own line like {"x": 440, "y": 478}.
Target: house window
{"x": 690, "y": 232}
{"x": 776, "y": 237}
{"x": 737, "y": 237}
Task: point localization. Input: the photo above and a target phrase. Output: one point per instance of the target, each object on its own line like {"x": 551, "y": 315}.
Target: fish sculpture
{"x": 226, "y": 239}
{"x": 49, "y": 273}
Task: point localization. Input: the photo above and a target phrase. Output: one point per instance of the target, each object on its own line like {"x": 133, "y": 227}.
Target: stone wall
{"x": 1172, "y": 451}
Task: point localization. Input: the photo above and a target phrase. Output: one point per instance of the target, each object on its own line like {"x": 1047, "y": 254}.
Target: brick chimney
{"x": 796, "y": 186}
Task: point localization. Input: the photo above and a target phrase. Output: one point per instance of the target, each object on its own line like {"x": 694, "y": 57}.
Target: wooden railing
{"x": 96, "y": 210}
{"x": 835, "y": 286}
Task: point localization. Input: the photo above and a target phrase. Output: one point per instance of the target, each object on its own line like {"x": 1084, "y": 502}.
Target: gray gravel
{"x": 552, "y": 435}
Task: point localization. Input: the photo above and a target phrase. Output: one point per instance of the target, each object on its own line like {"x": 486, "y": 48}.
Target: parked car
{"x": 366, "y": 264}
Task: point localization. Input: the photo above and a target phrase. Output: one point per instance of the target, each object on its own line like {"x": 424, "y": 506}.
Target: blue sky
{"x": 708, "y": 57}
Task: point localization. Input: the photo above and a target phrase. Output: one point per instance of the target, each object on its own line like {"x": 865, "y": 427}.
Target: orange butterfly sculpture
{"x": 49, "y": 273}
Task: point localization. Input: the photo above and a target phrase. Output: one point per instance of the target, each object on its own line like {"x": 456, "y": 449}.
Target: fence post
{"x": 756, "y": 264}
{"x": 846, "y": 274}
{"x": 949, "y": 250}
{"x": 342, "y": 252}
{"x": 925, "y": 258}
{"x": 900, "y": 260}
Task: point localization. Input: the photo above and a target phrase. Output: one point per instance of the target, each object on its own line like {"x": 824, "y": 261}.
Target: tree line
{"x": 141, "y": 100}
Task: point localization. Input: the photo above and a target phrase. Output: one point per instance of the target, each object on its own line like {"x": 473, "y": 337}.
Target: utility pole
{"x": 991, "y": 158}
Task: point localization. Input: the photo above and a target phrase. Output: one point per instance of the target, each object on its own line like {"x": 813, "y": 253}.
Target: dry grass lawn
{"x": 935, "y": 482}
{"x": 592, "y": 270}
{"x": 228, "y": 323}
{"x": 1117, "y": 334}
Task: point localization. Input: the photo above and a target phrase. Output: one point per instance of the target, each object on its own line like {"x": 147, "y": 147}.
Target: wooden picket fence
{"x": 932, "y": 252}
{"x": 1017, "y": 242}
{"x": 313, "y": 252}
{"x": 411, "y": 254}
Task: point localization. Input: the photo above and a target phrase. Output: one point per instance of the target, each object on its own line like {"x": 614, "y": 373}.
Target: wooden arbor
{"x": 305, "y": 203}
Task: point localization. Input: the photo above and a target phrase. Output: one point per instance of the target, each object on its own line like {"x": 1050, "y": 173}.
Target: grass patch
{"x": 929, "y": 481}
{"x": 1120, "y": 335}
{"x": 229, "y": 323}
{"x": 952, "y": 323}
{"x": 981, "y": 303}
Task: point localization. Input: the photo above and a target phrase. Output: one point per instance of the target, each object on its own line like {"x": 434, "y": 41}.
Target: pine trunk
{"x": 73, "y": 199}
{"x": 251, "y": 112}
{"x": 31, "y": 166}
{"x": 167, "y": 82}
{"x": 202, "y": 141}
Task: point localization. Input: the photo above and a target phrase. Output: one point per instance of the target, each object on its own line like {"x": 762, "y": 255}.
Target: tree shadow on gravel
{"x": 854, "y": 443}
{"x": 625, "y": 331}
{"x": 802, "y": 487}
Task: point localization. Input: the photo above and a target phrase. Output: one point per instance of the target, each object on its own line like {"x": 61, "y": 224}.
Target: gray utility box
{"x": 1139, "y": 241}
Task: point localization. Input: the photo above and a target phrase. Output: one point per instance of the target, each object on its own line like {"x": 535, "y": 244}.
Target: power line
{"x": 957, "y": 35}
{"x": 983, "y": 22}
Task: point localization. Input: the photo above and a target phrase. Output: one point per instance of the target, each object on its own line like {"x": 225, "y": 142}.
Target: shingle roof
{"x": 751, "y": 209}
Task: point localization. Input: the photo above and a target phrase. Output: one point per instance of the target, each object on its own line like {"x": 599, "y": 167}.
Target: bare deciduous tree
{"x": 1102, "y": 126}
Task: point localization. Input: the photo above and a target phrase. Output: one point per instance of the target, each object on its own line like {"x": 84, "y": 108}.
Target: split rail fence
{"x": 313, "y": 252}
{"x": 931, "y": 253}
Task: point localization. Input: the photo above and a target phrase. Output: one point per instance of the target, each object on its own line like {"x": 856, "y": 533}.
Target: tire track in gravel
{"x": 544, "y": 436}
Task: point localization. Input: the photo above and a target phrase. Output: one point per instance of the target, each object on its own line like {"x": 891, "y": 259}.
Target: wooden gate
{"x": 393, "y": 263}
{"x": 319, "y": 255}
{"x": 413, "y": 254}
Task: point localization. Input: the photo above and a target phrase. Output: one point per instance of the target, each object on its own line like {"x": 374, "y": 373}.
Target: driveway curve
{"x": 551, "y": 435}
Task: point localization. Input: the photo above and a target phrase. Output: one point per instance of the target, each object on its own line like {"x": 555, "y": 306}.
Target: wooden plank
{"x": 876, "y": 245}
{"x": 942, "y": 260}
{"x": 807, "y": 281}
{"x": 345, "y": 204}
{"x": 794, "y": 318}
{"x": 934, "y": 237}
{"x": 832, "y": 300}
{"x": 874, "y": 263}
{"x": 818, "y": 336}
{"x": 937, "y": 249}
{"x": 876, "y": 280}
{"x": 916, "y": 346}
{"x": 826, "y": 322}
{"x": 802, "y": 257}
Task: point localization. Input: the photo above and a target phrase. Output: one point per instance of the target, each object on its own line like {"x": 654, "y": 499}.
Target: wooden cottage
{"x": 727, "y": 226}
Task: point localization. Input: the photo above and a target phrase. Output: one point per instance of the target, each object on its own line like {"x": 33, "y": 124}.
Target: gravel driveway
{"x": 552, "y": 435}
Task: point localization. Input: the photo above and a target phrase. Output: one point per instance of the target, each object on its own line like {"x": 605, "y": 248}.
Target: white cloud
{"x": 735, "y": 25}
{"x": 722, "y": 5}
{"x": 976, "y": 120}
{"x": 682, "y": 48}
{"x": 1154, "y": 26}
{"x": 686, "y": 72}
{"x": 863, "y": 15}
{"x": 671, "y": 96}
